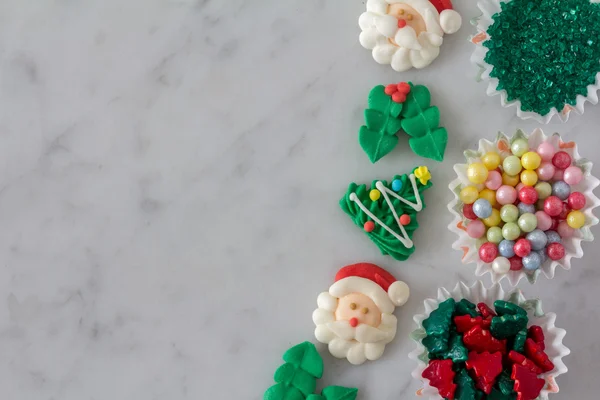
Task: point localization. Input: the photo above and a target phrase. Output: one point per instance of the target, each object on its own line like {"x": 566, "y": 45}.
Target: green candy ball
{"x": 544, "y": 190}
{"x": 494, "y": 235}
{"x": 519, "y": 147}
{"x": 512, "y": 165}
{"x": 511, "y": 231}
{"x": 509, "y": 213}
{"x": 527, "y": 222}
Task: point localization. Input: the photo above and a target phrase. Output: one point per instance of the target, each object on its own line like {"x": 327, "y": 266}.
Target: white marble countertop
{"x": 169, "y": 191}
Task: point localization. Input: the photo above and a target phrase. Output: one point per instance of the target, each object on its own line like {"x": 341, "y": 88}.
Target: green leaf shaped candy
{"x": 339, "y": 393}
{"x": 306, "y": 357}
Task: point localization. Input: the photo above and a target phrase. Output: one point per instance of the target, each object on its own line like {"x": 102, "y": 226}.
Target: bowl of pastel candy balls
{"x": 522, "y": 206}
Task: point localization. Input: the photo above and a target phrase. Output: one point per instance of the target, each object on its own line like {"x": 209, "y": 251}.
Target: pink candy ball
{"x": 546, "y": 171}
{"x": 572, "y": 175}
{"x": 546, "y": 151}
{"x": 558, "y": 175}
{"x": 494, "y": 180}
{"x": 576, "y": 200}
{"x": 555, "y": 251}
{"x": 476, "y": 229}
{"x": 564, "y": 230}
{"x": 544, "y": 221}
{"x": 506, "y": 194}
{"x": 528, "y": 195}
{"x": 487, "y": 252}
{"x": 561, "y": 160}
{"x": 553, "y": 206}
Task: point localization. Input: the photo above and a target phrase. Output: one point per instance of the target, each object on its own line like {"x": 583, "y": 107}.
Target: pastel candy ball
{"x": 477, "y": 173}
{"x": 561, "y": 189}
{"x": 526, "y": 208}
{"x": 573, "y": 175}
{"x": 528, "y": 195}
{"x": 501, "y": 265}
{"x": 506, "y": 248}
{"x": 527, "y": 222}
{"x": 519, "y": 186}
{"x": 546, "y": 171}
{"x": 561, "y": 160}
{"x": 510, "y": 180}
{"x": 489, "y": 195}
{"x": 537, "y": 238}
{"x": 509, "y": 213}
{"x": 374, "y": 194}
{"x": 576, "y": 219}
{"x": 542, "y": 254}
{"x": 493, "y": 219}
{"x": 522, "y": 247}
{"x": 494, "y": 180}
{"x": 553, "y": 206}
{"x": 546, "y": 151}
{"x": 564, "y": 230}
{"x": 396, "y": 185}
{"x": 558, "y": 175}
{"x": 475, "y": 229}
{"x": 543, "y": 189}
{"x": 494, "y": 235}
{"x": 519, "y": 147}
{"x": 529, "y": 178}
{"x": 516, "y": 263}
{"x": 482, "y": 208}
{"x": 469, "y": 194}
{"x": 491, "y": 160}
{"x": 506, "y": 194}
{"x": 531, "y": 160}
{"x": 512, "y": 165}
{"x": 553, "y": 237}
{"x": 511, "y": 231}
{"x": 532, "y": 261}
{"x": 488, "y": 252}
{"x": 576, "y": 201}
{"x": 468, "y": 211}
{"x": 556, "y": 251}
{"x": 544, "y": 221}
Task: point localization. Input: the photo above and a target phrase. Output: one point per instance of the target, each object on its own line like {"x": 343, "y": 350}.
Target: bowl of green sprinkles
{"x": 542, "y": 57}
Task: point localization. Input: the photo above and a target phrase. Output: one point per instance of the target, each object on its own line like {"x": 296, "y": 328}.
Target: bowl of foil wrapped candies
{"x": 522, "y": 206}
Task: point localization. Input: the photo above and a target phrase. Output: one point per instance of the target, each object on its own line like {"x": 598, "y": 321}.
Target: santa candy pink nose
{"x": 401, "y": 23}
{"x": 353, "y": 322}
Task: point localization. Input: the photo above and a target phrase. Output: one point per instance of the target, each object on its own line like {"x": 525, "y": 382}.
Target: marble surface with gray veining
{"x": 169, "y": 179}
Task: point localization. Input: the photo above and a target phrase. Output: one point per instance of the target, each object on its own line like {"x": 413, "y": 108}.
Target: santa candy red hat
{"x": 375, "y": 282}
{"x": 450, "y": 21}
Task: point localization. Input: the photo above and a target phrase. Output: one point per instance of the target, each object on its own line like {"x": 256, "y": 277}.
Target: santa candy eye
{"x": 409, "y": 17}
{"x": 401, "y": 11}
{"x": 365, "y": 310}
{"x": 353, "y": 306}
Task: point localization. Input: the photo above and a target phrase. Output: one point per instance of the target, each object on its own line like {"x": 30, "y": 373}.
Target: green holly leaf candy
{"x": 339, "y": 393}
{"x": 396, "y": 109}
{"x": 306, "y": 357}
{"x": 378, "y": 100}
{"x": 465, "y": 307}
{"x": 289, "y": 375}
{"x": 431, "y": 144}
{"x": 376, "y": 144}
{"x": 421, "y": 124}
{"x": 375, "y": 120}
{"x": 457, "y": 351}
{"x": 393, "y": 126}
{"x": 439, "y": 320}
{"x": 282, "y": 392}
{"x": 315, "y": 397}
{"x": 417, "y": 100}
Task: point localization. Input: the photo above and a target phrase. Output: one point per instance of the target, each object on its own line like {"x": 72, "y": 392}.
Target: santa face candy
{"x": 387, "y": 212}
{"x": 407, "y": 33}
{"x": 355, "y": 317}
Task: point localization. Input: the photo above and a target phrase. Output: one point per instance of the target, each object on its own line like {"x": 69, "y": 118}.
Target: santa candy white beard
{"x": 407, "y": 38}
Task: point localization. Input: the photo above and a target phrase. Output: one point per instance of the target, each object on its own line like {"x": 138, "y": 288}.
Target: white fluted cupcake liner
{"x": 555, "y": 349}
{"x": 483, "y": 22}
{"x": 468, "y": 245}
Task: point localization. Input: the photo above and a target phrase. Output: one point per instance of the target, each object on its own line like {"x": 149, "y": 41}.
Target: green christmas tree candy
{"x": 387, "y": 212}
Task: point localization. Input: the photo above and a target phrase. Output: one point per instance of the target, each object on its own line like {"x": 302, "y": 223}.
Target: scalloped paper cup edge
{"x": 573, "y": 248}
{"x": 476, "y": 293}
{"x": 482, "y": 23}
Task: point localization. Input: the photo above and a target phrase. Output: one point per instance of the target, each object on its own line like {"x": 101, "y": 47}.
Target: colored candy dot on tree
{"x": 477, "y": 173}
{"x": 561, "y": 160}
{"x": 469, "y": 194}
{"x": 374, "y": 194}
{"x": 405, "y": 219}
{"x": 576, "y": 219}
{"x": 519, "y": 147}
{"x": 396, "y": 185}
{"x": 369, "y": 226}
{"x": 531, "y": 160}
{"x": 512, "y": 165}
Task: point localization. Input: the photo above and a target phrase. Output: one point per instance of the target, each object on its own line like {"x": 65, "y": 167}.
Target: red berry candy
{"x": 488, "y": 252}
{"x": 565, "y": 211}
{"x": 516, "y": 263}
{"x": 576, "y": 201}
{"x": 405, "y": 219}
{"x": 468, "y": 212}
{"x": 553, "y": 206}
{"x": 522, "y": 247}
{"x": 369, "y": 226}
{"x": 399, "y": 97}
{"x": 561, "y": 160}
{"x": 555, "y": 251}
{"x": 391, "y": 89}
{"x": 403, "y": 87}
{"x": 528, "y": 195}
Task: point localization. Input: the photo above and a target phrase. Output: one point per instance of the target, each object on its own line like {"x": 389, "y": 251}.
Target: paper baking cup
{"x": 479, "y": 293}
{"x": 483, "y": 22}
{"x": 468, "y": 246}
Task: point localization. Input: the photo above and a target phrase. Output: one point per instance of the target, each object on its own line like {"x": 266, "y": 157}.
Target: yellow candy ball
{"x": 510, "y": 180}
{"x": 477, "y": 173}
{"x": 374, "y": 194}
{"x": 492, "y": 220}
{"x": 529, "y": 177}
{"x": 491, "y": 160}
{"x": 531, "y": 160}
{"x": 469, "y": 194}
{"x": 489, "y": 195}
{"x": 576, "y": 219}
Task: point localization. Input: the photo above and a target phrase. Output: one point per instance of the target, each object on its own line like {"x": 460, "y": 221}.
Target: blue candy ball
{"x": 396, "y": 185}
{"x": 532, "y": 261}
{"x": 525, "y": 208}
{"x": 553, "y": 237}
{"x": 561, "y": 189}
{"x": 543, "y": 255}
{"x": 482, "y": 208}
{"x": 506, "y": 248}
{"x": 537, "y": 238}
